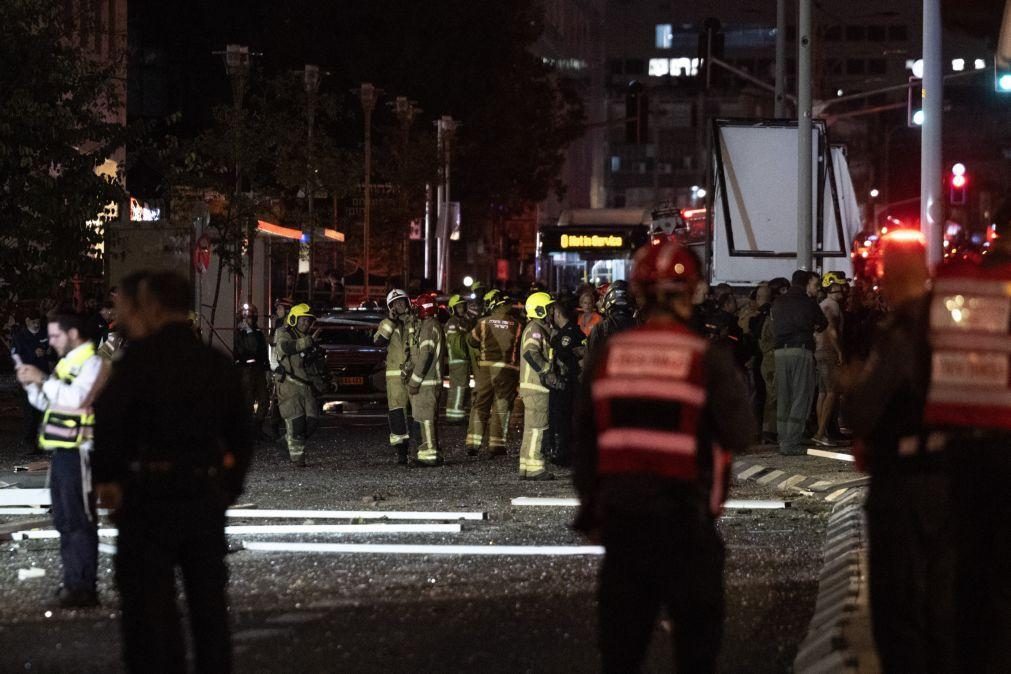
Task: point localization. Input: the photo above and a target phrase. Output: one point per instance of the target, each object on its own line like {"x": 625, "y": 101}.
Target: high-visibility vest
{"x": 970, "y": 338}
{"x": 648, "y": 392}
{"x": 63, "y": 427}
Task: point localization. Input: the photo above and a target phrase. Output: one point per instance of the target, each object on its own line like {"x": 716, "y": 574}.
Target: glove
{"x": 279, "y": 374}
{"x": 552, "y": 381}
{"x": 413, "y": 388}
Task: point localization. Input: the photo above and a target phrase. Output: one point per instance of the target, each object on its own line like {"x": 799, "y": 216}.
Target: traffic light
{"x": 958, "y": 185}
{"x": 914, "y": 103}
{"x": 1002, "y": 75}
{"x": 636, "y": 114}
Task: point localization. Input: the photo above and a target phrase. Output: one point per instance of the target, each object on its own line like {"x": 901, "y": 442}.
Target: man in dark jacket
{"x": 31, "y": 346}
{"x": 796, "y": 316}
{"x": 249, "y": 351}
{"x": 172, "y": 447}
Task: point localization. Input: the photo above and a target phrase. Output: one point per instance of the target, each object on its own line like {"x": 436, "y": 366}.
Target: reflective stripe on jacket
{"x": 535, "y": 360}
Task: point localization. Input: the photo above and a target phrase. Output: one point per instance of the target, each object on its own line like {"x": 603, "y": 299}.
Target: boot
{"x": 402, "y": 454}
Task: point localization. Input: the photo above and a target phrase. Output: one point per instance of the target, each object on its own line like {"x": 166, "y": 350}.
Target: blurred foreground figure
{"x": 969, "y": 403}
{"x": 172, "y": 445}
{"x": 659, "y": 403}
{"x": 912, "y": 561}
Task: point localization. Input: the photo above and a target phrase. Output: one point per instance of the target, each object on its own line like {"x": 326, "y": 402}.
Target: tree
{"x": 57, "y": 127}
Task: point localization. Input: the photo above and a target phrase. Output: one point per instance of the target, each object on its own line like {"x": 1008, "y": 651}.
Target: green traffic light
{"x": 1004, "y": 82}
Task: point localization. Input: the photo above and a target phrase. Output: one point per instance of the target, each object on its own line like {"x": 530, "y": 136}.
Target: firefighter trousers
{"x": 535, "y": 432}
{"x": 397, "y": 402}
{"x": 459, "y": 387}
{"x": 505, "y": 382}
{"x": 653, "y": 563}
{"x": 484, "y": 397}
{"x": 425, "y": 407}
{"x": 300, "y": 410}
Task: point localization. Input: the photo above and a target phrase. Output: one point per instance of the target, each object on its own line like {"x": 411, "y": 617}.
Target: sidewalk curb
{"x": 838, "y": 637}
{"x": 839, "y": 493}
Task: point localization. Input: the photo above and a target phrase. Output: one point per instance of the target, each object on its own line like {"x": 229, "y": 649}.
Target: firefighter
{"x": 568, "y": 346}
{"x": 395, "y": 332}
{"x": 658, "y": 403}
{"x": 302, "y": 366}
{"x": 535, "y": 379}
{"x": 249, "y": 352}
{"x": 457, "y": 327}
{"x": 969, "y": 404}
{"x": 496, "y": 341}
{"x": 65, "y": 399}
{"x": 619, "y": 315}
{"x": 912, "y": 561}
{"x": 424, "y": 378}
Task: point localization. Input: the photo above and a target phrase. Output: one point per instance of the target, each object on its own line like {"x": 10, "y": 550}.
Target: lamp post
{"x": 446, "y": 126}
{"x": 310, "y": 79}
{"x": 367, "y": 94}
{"x": 406, "y": 111}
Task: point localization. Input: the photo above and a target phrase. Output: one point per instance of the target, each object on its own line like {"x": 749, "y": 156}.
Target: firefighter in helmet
{"x": 619, "y": 314}
{"x": 395, "y": 333}
{"x": 457, "y": 327}
{"x": 302, "y": 370}
{"x": 910, "y": 526}
{"x": 969, "y": 406}
{"x": 536, "y": 381}
{"x": 659, "y": 401}
{"x": 424, "y": 378}
{"x": 496, "y": 341}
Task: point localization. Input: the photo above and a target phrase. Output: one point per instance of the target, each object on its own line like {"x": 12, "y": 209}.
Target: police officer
{"x": 424, "y": 381}
{"x": 969, "y": 404}
{"x": 568, "y": 345}
{"x": 172, "y": 446}
{"x": 65, "y": 400}
{"x": 496, "y": 341}
{"x": 457, "y": 327}
{"x": 535, "y": 375}
{"x": 912, "y": 561}
{"x": 658, "y": 402}
{"x": 619, "y": 315}
{"x": 302, "y": 366}
{"x": 395, "y": 333}
{"x": 249, "y": 350}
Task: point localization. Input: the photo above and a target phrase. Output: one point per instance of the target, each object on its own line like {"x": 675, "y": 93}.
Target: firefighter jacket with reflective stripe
{"x": 66, "y": 397}
{"x": 970, "y": 339}
{"x": 391, "y": 335}
{"x": 648, "y": 392}
{"x": 427, "y": 349}
{"x": 497, "y": 338}
{"x": 535, "y": 359}
{"x": 302, "y": 359}
{"x": 457, "y": 328}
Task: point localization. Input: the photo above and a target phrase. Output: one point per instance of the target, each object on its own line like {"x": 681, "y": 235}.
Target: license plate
{"x": 351, "y": 381}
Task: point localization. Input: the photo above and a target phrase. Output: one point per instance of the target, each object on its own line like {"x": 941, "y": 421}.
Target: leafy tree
{"x": 57, "y": 126}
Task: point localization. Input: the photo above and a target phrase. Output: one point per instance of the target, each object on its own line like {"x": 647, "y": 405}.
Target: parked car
{"x": 358, "y": 366}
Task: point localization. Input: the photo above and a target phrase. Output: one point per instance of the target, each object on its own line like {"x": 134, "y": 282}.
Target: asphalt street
{"x": 307, "y": 611}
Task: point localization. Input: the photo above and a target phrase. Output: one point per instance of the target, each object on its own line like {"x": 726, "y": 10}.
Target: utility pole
{"x": 446, "y": 127}
{"x": 367, "y": 94}
{"x": 804, "y": 168}
{"x": 779, "y": 111}
{"x": 406, "y": 111}
{"x": 931, "y": 203}
{"x": 311, "y": 81}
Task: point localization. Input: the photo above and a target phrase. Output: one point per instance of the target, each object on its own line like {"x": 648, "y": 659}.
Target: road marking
{"x": 397, "y": 549}
{"x": 248, "y": 529}
{"x": 771, "y": 477}
{"x": 356, "y": 514}
{"x": 839, "y": 456}
{"x": 24, "y": 497}
{"x": 24, "y": 511}
{"x": 574, "y": 502}
{"x": 754, "y": 470}
{"x": 791, "y": 482}
{"x": 836, "y": 495}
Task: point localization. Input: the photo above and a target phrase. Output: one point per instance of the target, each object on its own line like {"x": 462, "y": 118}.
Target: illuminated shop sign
{"x": 592, "y": 241}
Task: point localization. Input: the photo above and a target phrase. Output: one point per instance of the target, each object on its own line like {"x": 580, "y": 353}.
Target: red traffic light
{"x": 958, "y": 181}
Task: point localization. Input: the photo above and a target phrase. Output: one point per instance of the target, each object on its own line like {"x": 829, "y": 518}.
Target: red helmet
{"x": 427, "y": 305}
{"x": 664, "y": 267}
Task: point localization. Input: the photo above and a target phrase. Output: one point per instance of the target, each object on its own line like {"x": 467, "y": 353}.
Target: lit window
{"x": 980, "y": 64}
{"x": 659, "y": 67}
{"x": 615, "y": 164}
{"x": 684, "y": 67}
{"x": 958, "y": 65}
{"x": 664, "y": 36}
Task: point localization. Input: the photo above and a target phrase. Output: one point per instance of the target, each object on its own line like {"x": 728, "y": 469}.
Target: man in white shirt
{"x": 65, "y": 398}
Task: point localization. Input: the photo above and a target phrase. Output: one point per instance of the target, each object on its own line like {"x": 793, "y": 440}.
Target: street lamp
{"x": 310, "y": 80}
{"x": 367, "y": 94}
